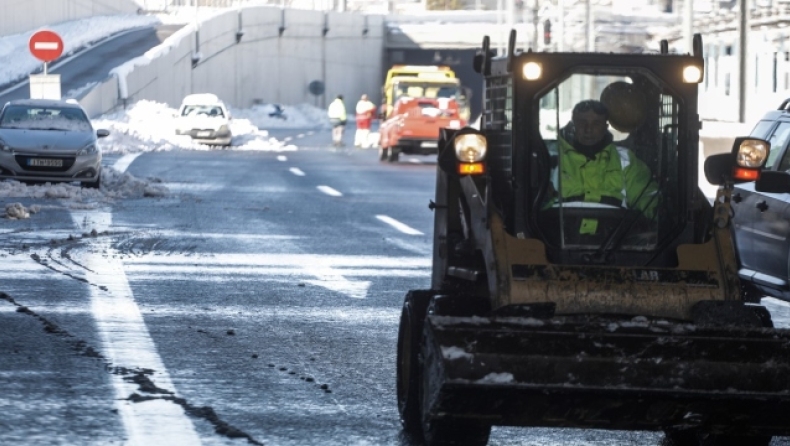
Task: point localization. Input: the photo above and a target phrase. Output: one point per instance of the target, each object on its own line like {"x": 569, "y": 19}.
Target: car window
{"x": 45, "y": 118}
{"x": 778, "y": 141}
{"x": 761, "y": 129}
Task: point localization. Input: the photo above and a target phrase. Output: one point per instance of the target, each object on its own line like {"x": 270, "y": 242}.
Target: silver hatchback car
{"x": 49, "y": 140}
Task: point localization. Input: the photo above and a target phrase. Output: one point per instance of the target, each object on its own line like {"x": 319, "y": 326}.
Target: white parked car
{"x": 205, "y": 118}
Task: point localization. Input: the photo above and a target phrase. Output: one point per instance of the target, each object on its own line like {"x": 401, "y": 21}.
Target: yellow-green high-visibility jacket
{"x": 615, "y": 176}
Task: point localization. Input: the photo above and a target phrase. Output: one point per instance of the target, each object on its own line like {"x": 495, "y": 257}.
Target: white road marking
{"x": 282, "y": 158}
{"x": 296, "y": 171}
{"x": 327, "y": 271}
{"x": 406, "y": 229}
{"x": 287, "y": 138}
{"x": 414, "y": 161}
{"x": 301, "y": 135}
{"x": 125, "y": 342}
{"x": 329, "y": 191}
{"x": 311, "y": 132}
{"x": 125, "y": 161}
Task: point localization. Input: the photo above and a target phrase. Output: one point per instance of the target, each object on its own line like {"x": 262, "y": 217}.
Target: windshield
{"x": 417, "y": 89}
{"x": 45, "y": 118}
{"x": 611, "y": 146}
{"x": 202, "y": 110}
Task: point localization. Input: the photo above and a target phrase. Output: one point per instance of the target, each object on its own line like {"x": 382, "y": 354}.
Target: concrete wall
{"x": 342, "y": 50}
{"x": 24, "y": 15}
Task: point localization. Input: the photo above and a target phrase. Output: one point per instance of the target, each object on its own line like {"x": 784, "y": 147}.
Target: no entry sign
{"x": 45, "y": 46}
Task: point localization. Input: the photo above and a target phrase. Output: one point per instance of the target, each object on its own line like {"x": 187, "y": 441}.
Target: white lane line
{"x": 125, "y": 161}
{"x": 406, "y": 229}
{"x": 341, "y": 274}
{"x": 287, "y": 138}
{"x": 311, "y": 132}
{"x": 282, "y": 158}
{"x": 296, "y": 171}
{"x": 301, "y": 135}
{"x": 126, "y": 342}
{"x": 329, "y": 191}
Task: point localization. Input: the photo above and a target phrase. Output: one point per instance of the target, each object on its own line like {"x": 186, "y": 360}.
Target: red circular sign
{"x": 45, "y": 46}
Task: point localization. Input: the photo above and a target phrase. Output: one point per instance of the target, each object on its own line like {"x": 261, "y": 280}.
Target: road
{"x": 256, "y": 303}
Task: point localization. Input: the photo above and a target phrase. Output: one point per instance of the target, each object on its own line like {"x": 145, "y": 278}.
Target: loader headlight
{"x": 752, "y": 153}
{"x": 4, "y": 147}
{"x": 470, "y": 147}
{"x": 532, "y": 71}
{"x": 692, "y": 74}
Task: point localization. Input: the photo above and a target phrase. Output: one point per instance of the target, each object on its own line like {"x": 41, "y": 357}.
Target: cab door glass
{"x": 612, "y": 144}
{"x": 778, "y": 141}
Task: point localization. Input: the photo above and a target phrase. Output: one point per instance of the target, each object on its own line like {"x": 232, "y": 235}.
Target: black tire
{"x": 694, "y": 438}
{"x": 383, "y": 153}
{"x": 394, "y": 155}
{"x": 680, "y": 438}
{"x": 447, "y": 432}
{"x": 734, "y": 440}
{"x": 415, "y": 307}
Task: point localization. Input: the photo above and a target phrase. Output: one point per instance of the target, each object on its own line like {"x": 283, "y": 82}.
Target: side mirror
{"x": 743, "y": 164}
{"x": 773, "y": 182}
{"x": 101, "y": 133}
{"x": 718, "y": 168}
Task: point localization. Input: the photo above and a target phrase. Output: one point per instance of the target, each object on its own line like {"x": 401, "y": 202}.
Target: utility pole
{"x": 743, "y": 37}
{"x": 590, "y": 28}
{"x": 688, "y": 23}
{"x": 535, "y": 20}
{"x": 560, "y": 25}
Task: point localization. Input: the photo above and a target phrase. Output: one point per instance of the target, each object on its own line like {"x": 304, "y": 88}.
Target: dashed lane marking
{"x": 296, "y": 171}
{"x": 282, "y": 158}
{"x": 329, "y": 191}
{"x": 402, "y": 227}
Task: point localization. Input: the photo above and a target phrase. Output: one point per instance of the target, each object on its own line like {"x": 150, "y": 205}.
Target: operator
{"x": 596, "y": 170}
{"x": 337, "y": 117}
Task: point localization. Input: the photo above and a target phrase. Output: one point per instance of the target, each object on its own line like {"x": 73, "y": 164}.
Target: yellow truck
{"x": 422, "y": 81}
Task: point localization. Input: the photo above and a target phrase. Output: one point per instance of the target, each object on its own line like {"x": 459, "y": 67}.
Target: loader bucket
{"x": 607, "y": 373}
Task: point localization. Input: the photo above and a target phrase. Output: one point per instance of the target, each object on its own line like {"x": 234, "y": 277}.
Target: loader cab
{"x": 631, "y": 198}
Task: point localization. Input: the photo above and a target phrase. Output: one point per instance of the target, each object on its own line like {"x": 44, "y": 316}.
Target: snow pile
{"x": 150, "y": 126}
{"x": 16, "y": 211}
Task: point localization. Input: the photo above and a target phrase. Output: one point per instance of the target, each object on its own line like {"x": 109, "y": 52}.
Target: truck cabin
{"x": 634, "y": 209}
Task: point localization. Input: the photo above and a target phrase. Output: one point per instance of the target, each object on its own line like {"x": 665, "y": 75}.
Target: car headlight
{"x": 4, "y": 147}
{"x": 752, "y": 153}
{"x": 90, "y": 149}
{"x": 223, "y": 129}
{"x": 470, "y": 147}
{"x": 692, "y": 74}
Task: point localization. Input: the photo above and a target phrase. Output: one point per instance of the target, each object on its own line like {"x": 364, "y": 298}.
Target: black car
{"x": 762, "y": 217}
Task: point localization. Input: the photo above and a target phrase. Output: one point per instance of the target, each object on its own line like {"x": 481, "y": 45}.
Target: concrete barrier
{"x": 258, "y": 54}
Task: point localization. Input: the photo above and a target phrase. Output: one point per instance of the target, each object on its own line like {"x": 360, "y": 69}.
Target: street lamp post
{"x": 743, "y": 36}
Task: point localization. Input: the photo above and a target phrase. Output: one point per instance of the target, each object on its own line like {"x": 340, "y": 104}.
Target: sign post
{"x": 45, "y": 46}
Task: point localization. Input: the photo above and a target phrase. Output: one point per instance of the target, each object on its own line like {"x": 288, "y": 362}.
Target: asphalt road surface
{"x": 256, "y": 303}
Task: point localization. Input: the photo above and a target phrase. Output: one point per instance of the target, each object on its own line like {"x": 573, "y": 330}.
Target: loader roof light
{"x": 692, "y": 74}
{"x": 752, "y": 153}
{"x": 532, "y": 71}
{"x": 470, "y": 147}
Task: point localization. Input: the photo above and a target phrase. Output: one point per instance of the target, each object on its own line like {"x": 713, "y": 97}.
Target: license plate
{"x": 429, "y": 144}
{"x": 44, "y": 162}
{"x": 203, "y": 133}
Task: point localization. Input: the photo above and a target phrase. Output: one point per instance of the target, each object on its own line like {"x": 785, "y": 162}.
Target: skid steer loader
{"x": 558, "y": 309}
